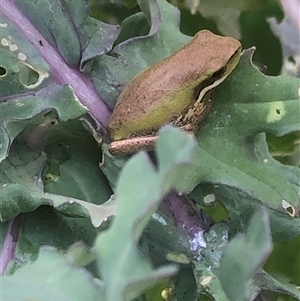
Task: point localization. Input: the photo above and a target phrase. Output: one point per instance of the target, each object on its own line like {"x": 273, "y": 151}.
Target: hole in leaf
{"x": 291, "y": 59}
{"x": 51, "y": 118}
{"x": 28, "y": 76}
{"x": 2, "y": 71}
{"x": 278, "y": 111}
{"x": 291, "y": 211}
{"x": 289, "y": 208}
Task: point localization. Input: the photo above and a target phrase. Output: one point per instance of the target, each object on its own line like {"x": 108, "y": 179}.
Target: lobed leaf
{"x": 51, "y": 277}
{"x": 139, "y": 191}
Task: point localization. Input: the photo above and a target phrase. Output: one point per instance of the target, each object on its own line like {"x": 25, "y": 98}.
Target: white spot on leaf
{"x": 4, "y": 42}
{"x": 22, "y": 56}
{"x": 159, "y": 218}
{"x": 177, "y": 257}
{"x": 19, "y": 103}
{"x": 13, "y": 47}
{"x": 3, "y": 25}
{"x": 210, "y": 198}
{"x": 206, "y": 280}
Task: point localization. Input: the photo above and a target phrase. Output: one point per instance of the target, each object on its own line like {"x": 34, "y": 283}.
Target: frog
{"x": 177, "y": 90}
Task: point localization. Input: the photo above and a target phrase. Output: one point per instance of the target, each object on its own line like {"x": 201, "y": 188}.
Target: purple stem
{"x": 188, "y": 217}
{"x": 60, "y": 71}
{"x": 9, "y": 244}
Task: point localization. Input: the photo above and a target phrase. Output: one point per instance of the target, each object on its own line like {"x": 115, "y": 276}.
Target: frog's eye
{"x": 219, "y": 73}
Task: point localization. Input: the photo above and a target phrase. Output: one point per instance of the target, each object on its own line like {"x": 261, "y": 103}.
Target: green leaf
{"x": 265, "y": 281}
{"x": 33, "y": 111}
{"x": 80, "y": 255}
{"x": 230, "y": 153}
{"x": 243, "y": 257}
{"x": 51, "y": 277}
{"x": 283, "y": 226}
{"x": 53, "y": 230}
{"x": 43, "y": 62}
{"x": 234, "y": 272}
{"x": 129, "y": 3}
{"x": 22, "y": 189}
{"x": 138, "y": 194}
{"x": 72, "y": 168}
{"x": 183, "y": 286}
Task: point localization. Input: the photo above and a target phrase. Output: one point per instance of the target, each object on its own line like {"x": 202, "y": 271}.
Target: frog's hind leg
{"x": 132, "y": 145}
